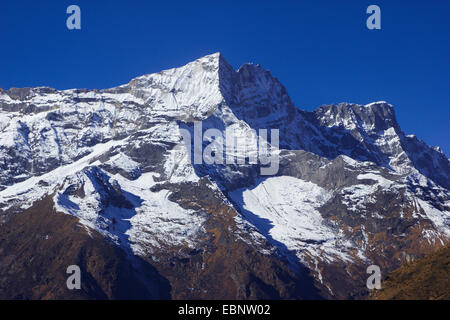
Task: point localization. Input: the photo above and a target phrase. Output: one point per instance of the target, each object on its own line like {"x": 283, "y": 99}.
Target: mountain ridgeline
{"x": 351, "y": 190}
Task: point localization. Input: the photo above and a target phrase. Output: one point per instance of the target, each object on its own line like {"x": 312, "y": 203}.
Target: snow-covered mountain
{"x": 351, "y": 190}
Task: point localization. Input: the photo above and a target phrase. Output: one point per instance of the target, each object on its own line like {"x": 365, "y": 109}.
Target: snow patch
{"x": 284, "y": 209}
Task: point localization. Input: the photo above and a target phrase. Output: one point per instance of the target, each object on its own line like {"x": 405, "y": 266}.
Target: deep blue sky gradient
{"x": 320, "y": 50}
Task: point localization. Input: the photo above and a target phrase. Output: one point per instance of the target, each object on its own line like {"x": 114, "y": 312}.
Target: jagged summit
{"x": 210, "y": 87}
{"x": 201, "y": 84}
{"x": 376, "y": 116}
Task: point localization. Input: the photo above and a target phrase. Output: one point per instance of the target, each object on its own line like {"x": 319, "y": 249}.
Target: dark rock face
{"x": 101, "y": 178}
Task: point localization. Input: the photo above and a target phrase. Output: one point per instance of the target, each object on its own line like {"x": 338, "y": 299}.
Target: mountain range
{"x": 103, "y": 179}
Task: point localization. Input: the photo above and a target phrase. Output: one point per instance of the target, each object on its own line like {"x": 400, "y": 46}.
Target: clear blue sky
{"x": 320, "y": 50}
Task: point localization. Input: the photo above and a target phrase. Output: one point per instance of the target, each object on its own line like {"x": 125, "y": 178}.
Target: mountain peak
{"x": 214, "y": 59}
{"x": 376, "y": 116}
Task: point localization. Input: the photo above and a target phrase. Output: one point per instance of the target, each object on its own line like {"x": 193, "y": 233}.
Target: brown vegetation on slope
{"x": 37, "y": 246}
{"x": 424, "y": 279}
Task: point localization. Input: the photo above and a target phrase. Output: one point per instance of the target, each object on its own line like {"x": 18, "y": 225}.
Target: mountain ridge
{"x": 352, "y": 189}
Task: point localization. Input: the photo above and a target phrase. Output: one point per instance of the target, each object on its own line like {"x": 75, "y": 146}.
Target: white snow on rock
{"x": 191, "y": 91}
{"x": 381, "y": 181}
{"x": 158, "y": 220}
{"x": 35, "y": 188}
{"x": 440, "y": 218}
{"x": 285, "y": 209}
{"x": 123, "y": 162}
{"x": 358, "y": 196}
{"x": 152, "y": 222}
